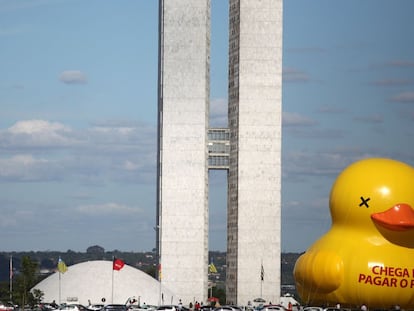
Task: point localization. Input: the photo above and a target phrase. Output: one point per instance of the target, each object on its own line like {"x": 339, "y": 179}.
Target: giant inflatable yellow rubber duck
{"x": 367, "y": 256}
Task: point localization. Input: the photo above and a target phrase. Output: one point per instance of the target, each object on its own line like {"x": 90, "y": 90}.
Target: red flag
{"x": 118, "y": 264}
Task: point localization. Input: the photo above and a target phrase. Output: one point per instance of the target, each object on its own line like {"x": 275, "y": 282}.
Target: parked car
{"x": 273, "y": 308}
{"x": 114, "y": 307}
{"x": 73, "y": 307}
{"x": 6, "y": 306}
{"x": 338, "y": 309}
{"x": 228, "y": 308}
{"x": 48, "y": 306}
{"x": 172, "y": 308}
{"x": 313, "y": 309}
{"x": 95, "y": 307}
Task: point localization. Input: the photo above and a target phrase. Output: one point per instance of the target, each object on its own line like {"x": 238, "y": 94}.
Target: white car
{"x": 6, "y": 307}
{"x": 172, "y": 308}
{"x": 313, "y": 309}
{"x": 227, "y": 308}
{"x": 273, "y": 308}
{"x": 95, "y": 307}
{"x": 73, "y": 307}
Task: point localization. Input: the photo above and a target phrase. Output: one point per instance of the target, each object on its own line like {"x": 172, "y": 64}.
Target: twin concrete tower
{"x": 249, "y": 149}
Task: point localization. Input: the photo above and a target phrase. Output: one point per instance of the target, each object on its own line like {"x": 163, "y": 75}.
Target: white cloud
{"x": 36, "y": 134}
{"x": 405, "y": 97}
{"x": 107, "y": 208}
{"x": 306, "y": 163}
{"x": 24, "y": 167}
{"x": 120, "y": 129}
{"x": 296, "y": 119}
{"x": 330, "y": 162}
{"x": 73, "y": 77}
{"x": 307, "y": 50}
{"x": 24, "y": 160}
{"x": 122, "y": 132}
{"x": 131, "y": 166}
{"x": 294, "y": 75}
{"x": 331, "y": 109}
{"x": 303, "y": 127}
{"x": 40, "y": 150}
{"x": 36, "y": 126}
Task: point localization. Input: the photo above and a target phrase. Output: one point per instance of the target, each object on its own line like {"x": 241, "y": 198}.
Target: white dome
{"x": 95, "y": 281}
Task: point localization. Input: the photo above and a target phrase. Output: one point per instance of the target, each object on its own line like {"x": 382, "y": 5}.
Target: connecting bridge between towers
{"x": 218, "y": 148}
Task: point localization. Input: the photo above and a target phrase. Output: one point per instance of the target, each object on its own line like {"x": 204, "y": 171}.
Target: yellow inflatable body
{"x": 367, "y": 256}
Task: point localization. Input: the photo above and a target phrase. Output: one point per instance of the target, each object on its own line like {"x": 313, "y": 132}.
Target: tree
{"x": 96, "y": 249}
{"x": 220, "y": 293}
{"x": 38, "y": 296}
{"x": 4, "y": 291}
{"x": 152, "y": 271}
{"x": 26, "y": 279}
{"x": 47, "y": 263}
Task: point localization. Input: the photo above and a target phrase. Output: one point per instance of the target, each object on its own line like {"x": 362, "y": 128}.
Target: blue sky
{"x": 78, "y": 85}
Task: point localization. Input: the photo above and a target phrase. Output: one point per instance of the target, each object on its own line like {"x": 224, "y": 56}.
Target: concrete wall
{"x": 255, "y": 161}
{"x": 183, "y": 109}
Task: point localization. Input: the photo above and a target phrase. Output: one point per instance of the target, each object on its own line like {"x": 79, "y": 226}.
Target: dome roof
{"x": 97, "y": 282}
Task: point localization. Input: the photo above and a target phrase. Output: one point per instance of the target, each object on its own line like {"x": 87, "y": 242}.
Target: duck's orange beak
{"x": 400, "y": 217}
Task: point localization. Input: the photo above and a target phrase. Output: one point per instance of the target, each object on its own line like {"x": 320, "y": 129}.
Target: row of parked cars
{"x": 123, "y": 307}
{"x": 225, "y": 308}
{"x": 79, "y": 307}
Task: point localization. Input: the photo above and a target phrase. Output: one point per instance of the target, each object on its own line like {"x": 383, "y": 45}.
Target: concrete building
{"x": 96, "y": 282}
{"x": 183, "y": 123}
{"x": 252, "y": 157}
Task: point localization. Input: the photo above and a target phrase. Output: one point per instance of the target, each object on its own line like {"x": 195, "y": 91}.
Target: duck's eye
{"x": 364, "y": 202}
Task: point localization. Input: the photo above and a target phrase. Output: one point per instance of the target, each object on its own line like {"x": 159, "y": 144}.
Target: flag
{"x": 61, "y": 266}
{"x": 11, "y": 268}
{"x": 117, "y": 264}
{"x": 262, "y": 273}
{"x": 159, "y": 272}
{"x": 212, "y": 268}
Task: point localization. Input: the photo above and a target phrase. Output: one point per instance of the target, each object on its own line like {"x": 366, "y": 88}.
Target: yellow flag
{"x": 212, "y": 268}
{"x": 61, "y": 266}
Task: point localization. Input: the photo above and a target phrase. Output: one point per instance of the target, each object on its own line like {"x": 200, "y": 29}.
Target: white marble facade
{"x": 254, "y": 175}
{"x": 184, "y": 102}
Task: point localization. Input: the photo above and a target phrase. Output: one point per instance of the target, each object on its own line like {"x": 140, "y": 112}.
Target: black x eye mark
{"x": 364, "y": 202}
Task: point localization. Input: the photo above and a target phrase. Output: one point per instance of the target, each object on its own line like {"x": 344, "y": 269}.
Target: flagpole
{"x": 60, "y": 288}
{"x": 261, "y": 280}
{"x": 62, "y": 268}
{"x": 112, "y": 299}
{"x": 11, "y": 277}
{"x": 261, "y": 288}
